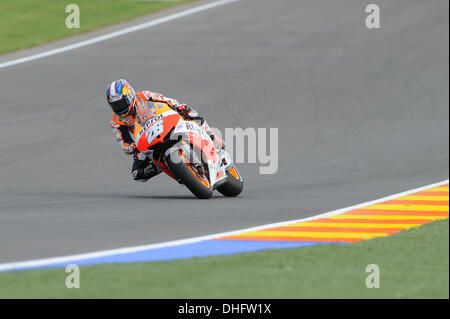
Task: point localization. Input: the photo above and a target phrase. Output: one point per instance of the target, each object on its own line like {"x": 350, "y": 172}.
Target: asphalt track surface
{"x": 361, "y": 114}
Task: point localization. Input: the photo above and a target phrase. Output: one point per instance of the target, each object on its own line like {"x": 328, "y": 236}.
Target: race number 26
{"x": 153, "y": 131}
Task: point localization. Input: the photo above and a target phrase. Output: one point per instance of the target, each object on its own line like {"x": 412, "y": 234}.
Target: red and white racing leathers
{"x": 123, "y": 126}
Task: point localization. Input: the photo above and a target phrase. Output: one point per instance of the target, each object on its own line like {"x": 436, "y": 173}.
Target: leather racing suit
{"x": 123, "y": 129}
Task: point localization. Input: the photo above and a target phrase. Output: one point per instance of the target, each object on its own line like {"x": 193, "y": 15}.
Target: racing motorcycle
{"x": 184, "y": 150}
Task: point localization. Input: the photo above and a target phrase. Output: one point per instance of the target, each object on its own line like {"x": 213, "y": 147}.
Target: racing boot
{"x": 143, "y": 170}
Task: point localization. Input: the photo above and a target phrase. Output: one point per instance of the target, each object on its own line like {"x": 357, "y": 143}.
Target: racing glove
{"x": 182, "y": 108}
{"x": 129, "y": 149}
{"x": 188, "y": 111}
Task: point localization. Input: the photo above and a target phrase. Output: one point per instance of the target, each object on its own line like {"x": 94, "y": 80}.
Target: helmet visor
{"x": 120, "y": 106}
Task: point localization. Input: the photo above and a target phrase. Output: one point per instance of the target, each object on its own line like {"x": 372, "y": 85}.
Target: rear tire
{"x": 233, "y": 185}
{"x": 186, "y": 174}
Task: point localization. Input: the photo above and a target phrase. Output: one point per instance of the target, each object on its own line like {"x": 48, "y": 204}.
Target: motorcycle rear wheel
{"x": 233, "y": 185}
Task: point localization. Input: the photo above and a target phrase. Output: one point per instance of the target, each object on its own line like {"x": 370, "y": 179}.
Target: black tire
{"x": 184, "y": 174}
{"x": 232, "y": 187}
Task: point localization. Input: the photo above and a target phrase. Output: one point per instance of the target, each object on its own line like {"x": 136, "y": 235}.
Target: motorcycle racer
{"x": 129, "y": 107}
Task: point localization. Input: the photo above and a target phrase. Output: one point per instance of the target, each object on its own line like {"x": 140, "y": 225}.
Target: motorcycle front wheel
{"x": 194, "y": 176}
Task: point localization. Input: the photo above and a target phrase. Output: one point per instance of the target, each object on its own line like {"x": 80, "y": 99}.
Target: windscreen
{"x": 145, "y": 110}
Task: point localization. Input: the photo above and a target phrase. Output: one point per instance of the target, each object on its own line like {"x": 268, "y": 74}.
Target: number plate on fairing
{"x": 153, "y": 131}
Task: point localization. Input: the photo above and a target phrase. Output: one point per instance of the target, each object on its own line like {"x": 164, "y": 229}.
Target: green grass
{"x": 413, "y": 264}
{"x": 27, "y": 23}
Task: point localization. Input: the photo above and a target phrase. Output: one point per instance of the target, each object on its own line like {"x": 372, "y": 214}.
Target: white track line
{"x": 117, "y": 33}
{"x": 127, "y": 250}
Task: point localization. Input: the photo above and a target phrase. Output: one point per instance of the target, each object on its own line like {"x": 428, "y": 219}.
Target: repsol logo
{"x": 150, "y": 122}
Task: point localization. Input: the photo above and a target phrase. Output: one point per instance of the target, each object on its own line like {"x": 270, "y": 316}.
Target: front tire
{"x": 186, "y": 173}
